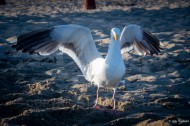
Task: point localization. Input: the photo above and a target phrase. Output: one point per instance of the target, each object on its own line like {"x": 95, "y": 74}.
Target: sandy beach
{"x": 49, "y": 90}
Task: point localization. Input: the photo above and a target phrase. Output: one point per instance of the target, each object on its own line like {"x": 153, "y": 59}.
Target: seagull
{"x": 78, "y": 43}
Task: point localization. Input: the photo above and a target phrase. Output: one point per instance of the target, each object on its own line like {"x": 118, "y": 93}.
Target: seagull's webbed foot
{"x": 96, "y": 106}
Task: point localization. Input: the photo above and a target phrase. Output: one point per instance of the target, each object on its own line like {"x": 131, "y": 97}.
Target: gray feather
{"x": 143, "y": 42}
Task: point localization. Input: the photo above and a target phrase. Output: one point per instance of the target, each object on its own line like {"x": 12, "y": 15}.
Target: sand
{"x": 49, "y": 90}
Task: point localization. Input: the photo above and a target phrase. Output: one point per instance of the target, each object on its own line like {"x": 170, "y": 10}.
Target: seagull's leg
{"x": 97, "y": 92}
{"x": 114, "y": 90}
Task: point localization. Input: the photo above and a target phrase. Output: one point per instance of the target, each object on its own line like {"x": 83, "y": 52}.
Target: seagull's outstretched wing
{"x": 143, "y": 42}
{"x": 74, "y": 40}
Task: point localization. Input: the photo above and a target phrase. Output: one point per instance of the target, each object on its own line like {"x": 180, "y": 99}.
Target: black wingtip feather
{"x": 153, "y": 41}
{"x": 32, "y": 34}
{"x": 36, "y": 42}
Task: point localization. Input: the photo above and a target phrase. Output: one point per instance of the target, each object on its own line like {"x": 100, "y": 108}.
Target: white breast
{"x": 104, "y": 74}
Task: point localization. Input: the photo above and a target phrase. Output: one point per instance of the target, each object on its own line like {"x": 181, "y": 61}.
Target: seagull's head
{"x": 115, "y": 34}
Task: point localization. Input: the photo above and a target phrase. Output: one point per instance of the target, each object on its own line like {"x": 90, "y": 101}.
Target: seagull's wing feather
{"x": 39, "y": 42}
{"x": 143, "y": 42}
{"x": 74, "y": 40}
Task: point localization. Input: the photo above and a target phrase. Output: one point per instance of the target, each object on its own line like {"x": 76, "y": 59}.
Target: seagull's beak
{"x": 115, "y": 36}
